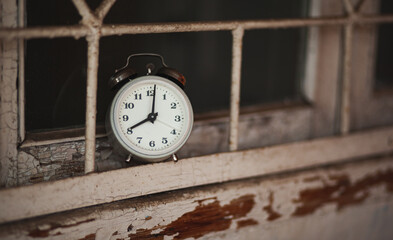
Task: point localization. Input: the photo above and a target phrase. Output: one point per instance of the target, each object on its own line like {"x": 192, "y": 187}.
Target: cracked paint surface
{"x": 8, "y": 100}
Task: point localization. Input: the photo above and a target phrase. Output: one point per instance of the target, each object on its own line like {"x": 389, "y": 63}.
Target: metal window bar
{"x": 93, "y": 29}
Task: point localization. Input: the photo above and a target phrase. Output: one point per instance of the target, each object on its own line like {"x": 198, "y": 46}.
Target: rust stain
{"x": 89, "y": 237}
{"x": 273, "y": 215}
{"x": 39, "y": 233}
{"x": 148, "y": 218}
{"x": 246, "y": 222}
{"x": 312, "y": 179}
{"x": 204, "y": 219}
{"x": 342, "y": 192}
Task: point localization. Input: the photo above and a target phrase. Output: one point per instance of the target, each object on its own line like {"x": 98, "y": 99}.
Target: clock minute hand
{"x": 154, "y": 99}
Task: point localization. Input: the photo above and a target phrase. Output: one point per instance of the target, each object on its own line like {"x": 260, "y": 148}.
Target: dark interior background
{"x": 384, "y": 57}
{"x": 56, "y": 68}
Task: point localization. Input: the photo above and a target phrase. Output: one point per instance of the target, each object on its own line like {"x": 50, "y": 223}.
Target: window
{"x": 318, "y": 41}
{"x": 204, "y": 57}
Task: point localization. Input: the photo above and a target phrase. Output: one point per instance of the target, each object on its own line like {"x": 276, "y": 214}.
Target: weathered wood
{"x": 8, "y": 98}
{"x": 50, "y": 197}
{"x": 54, "y": 159}
{"x": 369, "y": 108}
{"x": 345, "y": 201}
{"x": 327, "y": 74}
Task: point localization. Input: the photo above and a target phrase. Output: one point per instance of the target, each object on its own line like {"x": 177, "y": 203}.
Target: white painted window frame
{"x": 49, "y": 197}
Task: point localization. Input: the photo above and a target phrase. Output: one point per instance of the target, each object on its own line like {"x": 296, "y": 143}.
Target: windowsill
{"x": 78, "y": 134}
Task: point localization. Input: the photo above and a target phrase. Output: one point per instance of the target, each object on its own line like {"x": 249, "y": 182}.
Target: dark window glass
{"x": 384, "y": 59}
{"x": 56, "y": 68}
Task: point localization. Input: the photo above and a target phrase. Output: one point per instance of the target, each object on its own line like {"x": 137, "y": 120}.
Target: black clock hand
{"x": 140, "y": 123}
{"x": 151, "y": 117}
{"x": 154, "y": 99}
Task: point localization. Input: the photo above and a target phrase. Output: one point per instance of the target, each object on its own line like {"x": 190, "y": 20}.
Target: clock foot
{"x": 128, "y": 159}
{"x": 175, "y": 158}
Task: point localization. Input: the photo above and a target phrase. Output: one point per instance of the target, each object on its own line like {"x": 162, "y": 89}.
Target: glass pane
{"x": 272, "y": 65}
{"x": 55, "y": 82}
{"x": 149, "y": 11}
{"x": 56, "y": 68}
{"x": 384, "y": 59}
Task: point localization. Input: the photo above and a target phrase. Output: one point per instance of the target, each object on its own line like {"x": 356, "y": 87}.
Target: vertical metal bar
{"x": 346, "y": 84}
{"x": 237, "y": 43}
{"x": 21, "y": 72}
{"x": 91, "y": 99}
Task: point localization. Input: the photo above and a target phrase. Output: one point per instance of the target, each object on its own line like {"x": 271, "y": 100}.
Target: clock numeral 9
{"x": 129, "y": 131}
{"x": 164, "y": 140}
{"x": 128, "y": 105}
{"x": 125, "y": 118}
{"x": 177, "y": 118}
{"x": 152, "y": 144}
{"x": 173, "y": 105}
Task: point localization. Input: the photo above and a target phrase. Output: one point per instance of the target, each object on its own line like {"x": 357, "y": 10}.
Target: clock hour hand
{"x": 151, "y": 117}
{"x": 140, "y": 123}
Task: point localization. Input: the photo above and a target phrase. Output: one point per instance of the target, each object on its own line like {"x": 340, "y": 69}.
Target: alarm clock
{"x": 150, "y": 117}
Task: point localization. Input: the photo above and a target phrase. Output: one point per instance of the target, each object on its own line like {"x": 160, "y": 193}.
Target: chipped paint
{"x": 272, "y": 215}
{"x": 342, "y": 192}
{"x": 204, "y": 219}
{"x": 246, "y": 223}
{"x": 44, "y": 231}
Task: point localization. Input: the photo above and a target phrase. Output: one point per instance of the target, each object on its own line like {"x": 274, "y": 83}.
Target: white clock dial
{"x": 152, "y": 117}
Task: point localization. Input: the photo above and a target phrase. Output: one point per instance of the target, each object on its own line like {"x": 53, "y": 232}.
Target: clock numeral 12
{"x": 149, "y": 93}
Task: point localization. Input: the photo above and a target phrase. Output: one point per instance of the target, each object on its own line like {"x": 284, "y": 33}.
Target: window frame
{"x": 211, "y": 168}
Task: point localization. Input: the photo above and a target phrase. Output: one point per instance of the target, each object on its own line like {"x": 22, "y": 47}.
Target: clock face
{"x": 151, "y": 117}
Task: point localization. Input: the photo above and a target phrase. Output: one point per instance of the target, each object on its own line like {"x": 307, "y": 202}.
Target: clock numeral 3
{"x": 177, "y": 118}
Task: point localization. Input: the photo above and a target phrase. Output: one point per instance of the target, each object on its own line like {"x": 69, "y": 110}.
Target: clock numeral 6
{"x": 152, "y": 144}
{"x": 125, "y": 118}
{"x": 129, "y": 131}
